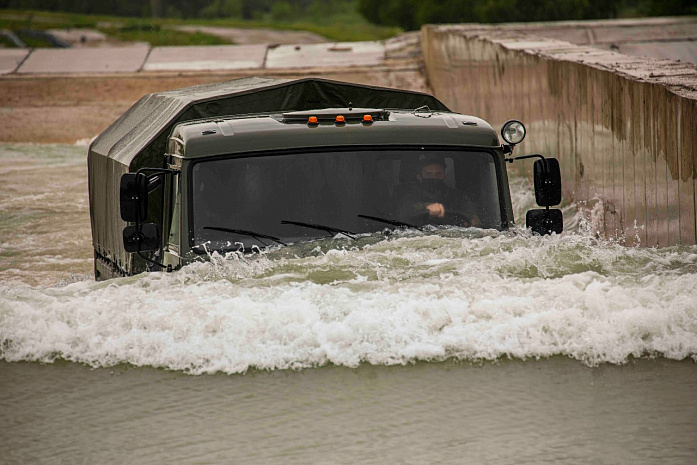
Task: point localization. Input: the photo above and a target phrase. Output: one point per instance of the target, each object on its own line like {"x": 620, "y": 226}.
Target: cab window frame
{"x": 494, "y": 152}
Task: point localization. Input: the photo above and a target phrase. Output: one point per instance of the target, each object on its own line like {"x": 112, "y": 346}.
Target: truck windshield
{"x": 284, "y": 196}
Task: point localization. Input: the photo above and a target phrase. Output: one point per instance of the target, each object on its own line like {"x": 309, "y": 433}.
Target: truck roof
{"x": 139, "y": 137}
{"x": 296, "y": 130}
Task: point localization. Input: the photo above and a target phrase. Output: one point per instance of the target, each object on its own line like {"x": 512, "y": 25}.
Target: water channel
{"x": 454, "y": 346}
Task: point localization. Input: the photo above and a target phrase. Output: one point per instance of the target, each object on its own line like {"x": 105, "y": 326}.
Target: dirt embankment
{"x": 66, "y": 109}
{"x": 69, "y": 108}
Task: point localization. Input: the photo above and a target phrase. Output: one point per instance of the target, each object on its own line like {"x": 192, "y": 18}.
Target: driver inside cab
{"x": 429, "y": 200}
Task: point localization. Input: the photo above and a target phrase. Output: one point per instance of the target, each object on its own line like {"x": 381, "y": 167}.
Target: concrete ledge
{"x": 85, "y": 60}
{"x": 10, "y": 59}
{"x": 326, "y": 55}
{"x": 225, "y": 57}
{"x": 623, "y": 128}
{"x": 205, "y": 58}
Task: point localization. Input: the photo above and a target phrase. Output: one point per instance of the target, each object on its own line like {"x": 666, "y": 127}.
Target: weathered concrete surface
{"x": 683, "y": 50}
{"x": 215, "y": 57}
{"x": 326, "y": 55}
{"x": 85, "y": 60}
{"x": 624, "y": 128}
{"x": 35, "y": 107}
{"x": 10, "y": 59}
{"x": 67, "y": 108}
{"x": 673, "y": 38}
{"x": 139, "y": 58}
{"x": 610, "y": 31}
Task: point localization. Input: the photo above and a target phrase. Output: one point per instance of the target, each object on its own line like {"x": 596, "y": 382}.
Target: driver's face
{"x": 433, "y": 171}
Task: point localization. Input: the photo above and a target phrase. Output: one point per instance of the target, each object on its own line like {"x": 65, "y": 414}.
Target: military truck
{"x": 256, "y": 162}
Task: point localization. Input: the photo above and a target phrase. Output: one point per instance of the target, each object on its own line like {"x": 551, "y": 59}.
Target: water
{"x": 44, "y": 214}
{"x": 453, "y": 346}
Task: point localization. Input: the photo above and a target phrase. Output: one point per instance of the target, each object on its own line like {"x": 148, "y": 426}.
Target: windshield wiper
{"x": 329, "y": 229}
{"x": 392, "y": 222}
{"x": 255, "y": 235}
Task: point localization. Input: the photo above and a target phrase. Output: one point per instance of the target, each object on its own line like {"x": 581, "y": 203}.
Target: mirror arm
{"x": 524, "y": 157}
{"x": 511, "y": 160}
{"x": 157, "y": 172}
{"x": 140, "y": 254}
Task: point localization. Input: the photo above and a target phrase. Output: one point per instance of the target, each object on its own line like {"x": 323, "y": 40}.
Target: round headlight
{"x": 513, "y": 132}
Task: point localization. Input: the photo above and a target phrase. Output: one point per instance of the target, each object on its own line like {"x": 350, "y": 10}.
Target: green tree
{"x": 446, "y": 11}
{"x": 412, "y": 14}
{"x": 401, "y": 13}
{"x": 222, "y": 9}
{"x": 282, "y": 11}
{"x": 668, "y": 7}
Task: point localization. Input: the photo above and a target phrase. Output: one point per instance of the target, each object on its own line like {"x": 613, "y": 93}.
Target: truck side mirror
{"x": 133, "y": 197}
{"x": 547, "y": 182}
{"x": 146, "y": 238}
{"x": 545, "y": 221}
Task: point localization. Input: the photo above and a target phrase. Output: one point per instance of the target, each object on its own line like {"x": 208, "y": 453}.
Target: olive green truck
{"x": 255, "y": 162}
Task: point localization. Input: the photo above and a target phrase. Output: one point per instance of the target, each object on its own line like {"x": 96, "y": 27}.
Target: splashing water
{"x": 454, "y": 293}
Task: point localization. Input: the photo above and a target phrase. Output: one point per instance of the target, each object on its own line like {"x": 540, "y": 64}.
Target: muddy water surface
{"x": 449, "y": 346}
{"x": 45, "y": 233}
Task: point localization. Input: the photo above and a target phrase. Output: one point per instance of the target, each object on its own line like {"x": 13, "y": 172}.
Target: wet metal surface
{"x": 622, "y": 126}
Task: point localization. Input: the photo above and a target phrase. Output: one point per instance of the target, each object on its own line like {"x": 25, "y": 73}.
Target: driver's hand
{"x": 436, "y": 209}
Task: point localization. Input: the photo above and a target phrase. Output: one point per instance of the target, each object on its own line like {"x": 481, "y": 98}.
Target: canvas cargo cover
{"x": 141, "y": 133}
{"x": 139, "y": 137}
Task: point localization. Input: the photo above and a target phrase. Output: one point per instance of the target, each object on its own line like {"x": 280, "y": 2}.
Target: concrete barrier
{"x": 10, "y": 59}
{"x": 85, "y": 60}
{"x": 624, "y": 128}
{"x": 205, "y": 58}
{"x": 326, "y": 55}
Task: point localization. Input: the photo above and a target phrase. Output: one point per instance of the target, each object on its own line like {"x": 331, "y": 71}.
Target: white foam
{"x": 84, "y": 142}
{"x": 467, "y": 294}
{"x": 394, "y": 302}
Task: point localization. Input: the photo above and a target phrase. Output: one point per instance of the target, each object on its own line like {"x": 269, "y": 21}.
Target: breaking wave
{"x": 412, "y": 297}
{"x": 455, "y": 293}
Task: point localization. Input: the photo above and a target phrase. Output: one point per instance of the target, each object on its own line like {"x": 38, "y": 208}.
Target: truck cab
{"x": 309, "y": 170}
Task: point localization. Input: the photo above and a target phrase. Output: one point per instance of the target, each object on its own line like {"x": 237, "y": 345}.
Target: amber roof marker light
{"x": 368, "y": 119}
{"x": 340, "y": 119}
{"x": 312, "y": 121}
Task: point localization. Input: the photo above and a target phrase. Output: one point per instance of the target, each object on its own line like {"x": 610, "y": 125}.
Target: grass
{"x": 340, "y": 32}
{"x": 345, "y": 27}
{"x": 157, "y": 35}
{"x": 5, "y": 42}
{"x": 126, "y": 29}
{"x": 32, "y": 41}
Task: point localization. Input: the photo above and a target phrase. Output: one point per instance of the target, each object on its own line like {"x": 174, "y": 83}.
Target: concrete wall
{"x": 143, "y": 58}
{"x": 670, "y": 37}
{"x": 624, "y": 128}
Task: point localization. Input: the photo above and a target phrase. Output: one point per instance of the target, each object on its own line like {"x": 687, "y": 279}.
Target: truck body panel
{"x": 254, "y": 162}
